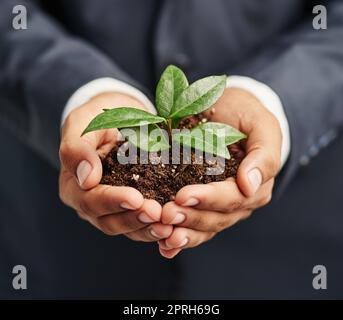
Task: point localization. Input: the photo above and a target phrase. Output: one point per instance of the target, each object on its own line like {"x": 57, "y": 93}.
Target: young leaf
{"x": 121, "y": 118}
{"x": 172, "y": 83}
{"x": 199, "y": 96}
{"x": 231, "y": 134}
{"x": 149, "y": 138}
{"x": 197, "y": 139}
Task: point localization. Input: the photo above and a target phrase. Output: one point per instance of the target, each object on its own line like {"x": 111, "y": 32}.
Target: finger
{"x": 99, "y": 201}
{"x": 80, "y": 156}
{"x": 183, "y": 238}
{"x": 200, "y": 220}
{"x": 169, "y": 254}
{"x": 263, "y": 148}
{"x": 222, "y": 196}
{"x": 129, "y": 221}
{"x": 152, "y": 233}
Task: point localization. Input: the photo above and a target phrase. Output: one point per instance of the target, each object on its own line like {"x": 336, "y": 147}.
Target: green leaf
{"x": 172, "y": 83}
{"x": 121, "y": 118}
{"x": 231, "y": 134}
{"x": 199, "y": 140}
{"x": 148, "y": 138}
{"x": 199, "y": 96}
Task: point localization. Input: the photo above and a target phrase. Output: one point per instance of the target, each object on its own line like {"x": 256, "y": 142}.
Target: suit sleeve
{"x": 305, "y": 68}
{"x": 40, "y": 68}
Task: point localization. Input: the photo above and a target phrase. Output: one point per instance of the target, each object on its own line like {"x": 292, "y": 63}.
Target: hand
{"x": 113, "y": 210}
{"x": 199, "y": 212}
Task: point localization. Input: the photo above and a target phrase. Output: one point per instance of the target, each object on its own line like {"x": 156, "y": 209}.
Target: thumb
{"x": 78, "y": 156}
{"x": 263, "y": 159}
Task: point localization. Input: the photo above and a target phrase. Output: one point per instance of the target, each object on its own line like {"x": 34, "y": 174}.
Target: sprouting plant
{"x": 175, "y": 100}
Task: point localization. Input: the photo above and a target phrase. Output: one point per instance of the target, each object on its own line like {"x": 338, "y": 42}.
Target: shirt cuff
{"x": 272, "y": 102}
{"x": 101, "y": 85}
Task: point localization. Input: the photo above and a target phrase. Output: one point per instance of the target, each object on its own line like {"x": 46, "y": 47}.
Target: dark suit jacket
{"x": 71, "y": 42}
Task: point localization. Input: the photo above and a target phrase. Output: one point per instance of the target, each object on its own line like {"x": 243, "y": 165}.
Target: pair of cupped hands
{"x": 198, "y": 212}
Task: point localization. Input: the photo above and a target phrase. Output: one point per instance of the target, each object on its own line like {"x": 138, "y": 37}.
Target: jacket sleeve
{"x": 40, "y": 68}
{"x": 305, "y": 68}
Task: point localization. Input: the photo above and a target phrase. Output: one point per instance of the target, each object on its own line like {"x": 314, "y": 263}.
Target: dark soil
{"x": 161, "y": 182}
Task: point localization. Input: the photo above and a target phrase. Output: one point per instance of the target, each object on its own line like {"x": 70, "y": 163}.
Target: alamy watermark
{"x": 174, "y": 153}
{"x": 320, "y": 21}
{"x": 19, "y": 21}
{"x": 19, "y": 281}
{"x": 320, "y": 280}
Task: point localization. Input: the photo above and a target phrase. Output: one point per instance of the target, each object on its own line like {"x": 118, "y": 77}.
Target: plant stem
{"x": 169, "y": 126}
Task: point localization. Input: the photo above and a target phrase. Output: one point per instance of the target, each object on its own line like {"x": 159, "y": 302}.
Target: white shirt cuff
{"x": 101, "y": 85}
{"x": 272, "y": 102}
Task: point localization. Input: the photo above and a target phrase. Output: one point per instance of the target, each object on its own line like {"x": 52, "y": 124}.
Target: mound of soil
{"x": 160, "y": 181}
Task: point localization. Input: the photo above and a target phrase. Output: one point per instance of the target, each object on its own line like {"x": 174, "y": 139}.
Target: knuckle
{"x": 107, "y": 199}
{"x": 232, "y": 206}
{"x": 108, "y": 228}
{"x": 197, "y": 222}
{"x": 219, "y": 226}
{"x": 128, "y": 224}
{"x": 84, "y": 206}
{"x": 212, "y": 202}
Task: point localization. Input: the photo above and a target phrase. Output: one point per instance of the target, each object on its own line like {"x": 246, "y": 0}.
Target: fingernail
{"x": 154, "y": 234}
{"x": 183, "y": 243}
{"x": 83, "y": 171}
{"x": 191, "y": 202}
{"x": 127, "y": 206}
{"x": 255, "y": 179}
{"x": 143, "y": 217}
{"x": 179, "y": 218}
